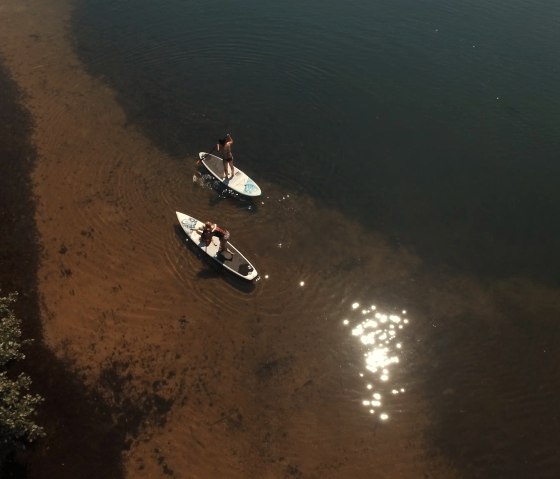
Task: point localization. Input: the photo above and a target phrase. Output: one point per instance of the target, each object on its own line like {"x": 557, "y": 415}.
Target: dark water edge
{"x": 83, "y": 440}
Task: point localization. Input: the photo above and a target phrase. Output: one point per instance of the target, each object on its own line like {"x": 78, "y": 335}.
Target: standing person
{"x": 209, "y": 230}
{"x": 224, "y": 145}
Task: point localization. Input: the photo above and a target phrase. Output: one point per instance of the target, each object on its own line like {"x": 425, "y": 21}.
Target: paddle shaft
{"x": 213, "y": 148}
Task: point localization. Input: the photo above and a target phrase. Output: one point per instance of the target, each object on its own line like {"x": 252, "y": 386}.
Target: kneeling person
{"x": 212, "y": 229}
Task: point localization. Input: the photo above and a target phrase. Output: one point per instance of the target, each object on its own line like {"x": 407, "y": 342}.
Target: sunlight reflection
{"x": 378, "y": 334}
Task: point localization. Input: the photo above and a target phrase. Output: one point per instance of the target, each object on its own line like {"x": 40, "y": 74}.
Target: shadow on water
{"x": 223, "y": 193}
{"x": 85, "y": 435}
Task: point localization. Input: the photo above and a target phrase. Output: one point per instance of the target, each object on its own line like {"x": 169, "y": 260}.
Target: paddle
{"x": 199, "y": 159}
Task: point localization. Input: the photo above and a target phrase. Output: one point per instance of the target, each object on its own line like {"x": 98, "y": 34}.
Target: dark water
{"x": 434, "y": 123}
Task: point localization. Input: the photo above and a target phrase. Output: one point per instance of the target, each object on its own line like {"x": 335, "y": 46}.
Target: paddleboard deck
{"x": 236, "y": 263}
{"x": 240, "y": 183}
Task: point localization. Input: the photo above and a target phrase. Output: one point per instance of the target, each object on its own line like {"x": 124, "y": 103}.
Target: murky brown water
{"x": 296, "y": 376}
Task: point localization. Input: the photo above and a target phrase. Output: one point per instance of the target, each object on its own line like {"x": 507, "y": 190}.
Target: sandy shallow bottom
{"x": 208, "y": 377}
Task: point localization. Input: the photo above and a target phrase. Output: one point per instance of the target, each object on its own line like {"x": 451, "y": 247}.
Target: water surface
{"x": 418, "y": 141}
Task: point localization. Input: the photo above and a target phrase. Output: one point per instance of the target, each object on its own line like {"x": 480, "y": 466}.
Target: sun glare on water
{"x": 378, "y": 334}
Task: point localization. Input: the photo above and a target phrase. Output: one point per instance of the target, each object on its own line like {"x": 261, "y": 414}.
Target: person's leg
{"x": 225, "y": 169}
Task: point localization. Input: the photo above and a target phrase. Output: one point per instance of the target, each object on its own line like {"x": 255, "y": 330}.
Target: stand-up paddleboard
{"x": 236, "y": 263}
{"x": 240, "y": 183}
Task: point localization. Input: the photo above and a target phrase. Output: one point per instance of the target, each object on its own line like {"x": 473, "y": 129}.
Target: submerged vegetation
{"x": 17, "y": 404}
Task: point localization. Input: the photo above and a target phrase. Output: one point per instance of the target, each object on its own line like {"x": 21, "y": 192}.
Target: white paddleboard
{"x": 240, "y": 183}
{"x": 237, "y": 263}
